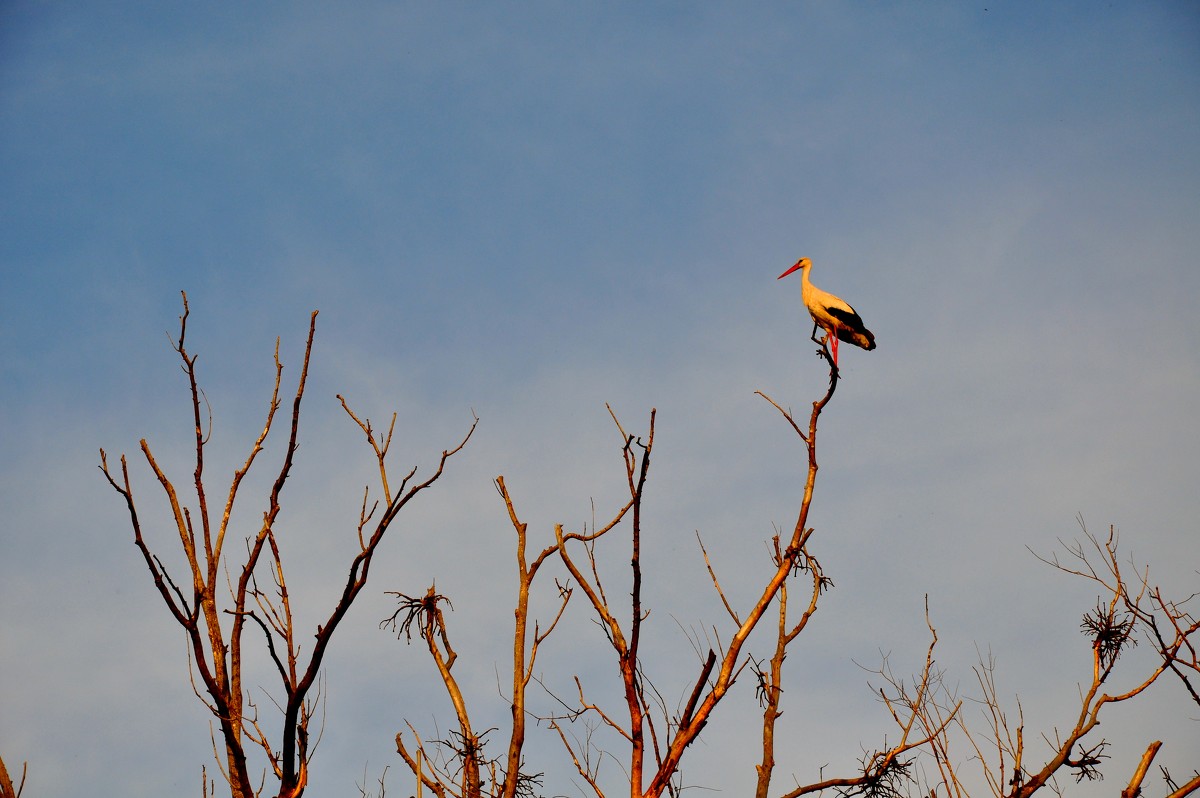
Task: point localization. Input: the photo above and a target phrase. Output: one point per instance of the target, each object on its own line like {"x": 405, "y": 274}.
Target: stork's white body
{"x": 831, "y": 313}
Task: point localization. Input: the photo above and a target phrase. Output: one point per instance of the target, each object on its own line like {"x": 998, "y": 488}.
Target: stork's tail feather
{"x": 861, "y": 337}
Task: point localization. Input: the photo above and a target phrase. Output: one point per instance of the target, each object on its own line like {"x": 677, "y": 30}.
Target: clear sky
{"x": 529, "y": 210}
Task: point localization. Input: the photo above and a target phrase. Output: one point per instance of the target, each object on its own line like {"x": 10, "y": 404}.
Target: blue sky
{"x": 529, "y": 210}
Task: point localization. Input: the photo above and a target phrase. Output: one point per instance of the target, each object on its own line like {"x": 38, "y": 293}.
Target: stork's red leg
{"x": 834, "y": 348}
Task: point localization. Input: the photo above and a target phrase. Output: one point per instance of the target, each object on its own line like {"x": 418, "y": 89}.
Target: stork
{"x": 834, "y": 315}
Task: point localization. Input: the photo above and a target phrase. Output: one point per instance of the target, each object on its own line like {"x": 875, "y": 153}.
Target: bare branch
{"x": 716, "y": 583}
{"x": 6, "y": 786}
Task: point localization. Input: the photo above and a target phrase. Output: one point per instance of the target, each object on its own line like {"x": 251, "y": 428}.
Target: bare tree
{"x": 649, "y": 741}
{"x": 656, "y": 738}
{"x": 1126, "y": 609}
{"x": 457, "y": 766}
{"x": 225, "y": 593}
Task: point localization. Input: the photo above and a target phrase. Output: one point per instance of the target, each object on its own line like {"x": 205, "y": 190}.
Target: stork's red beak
{"x": 789, "y": 271}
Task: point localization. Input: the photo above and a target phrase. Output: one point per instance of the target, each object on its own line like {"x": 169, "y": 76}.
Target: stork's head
{"x": 803, "y": 263}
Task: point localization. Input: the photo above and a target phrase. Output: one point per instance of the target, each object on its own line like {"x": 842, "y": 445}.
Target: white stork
{"x": 832, "y": 314}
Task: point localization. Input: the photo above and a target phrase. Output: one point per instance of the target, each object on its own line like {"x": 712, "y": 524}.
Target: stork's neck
{"x": 806, "y": 286}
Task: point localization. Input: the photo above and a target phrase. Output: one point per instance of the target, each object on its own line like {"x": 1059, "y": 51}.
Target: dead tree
{"x": 656, "y": 739}
{"x": 883, "y": 771}
{"x": 458, "y": 765}
{"x": 997, "y": 740}
{"x": 924, "y": 759}
{"x": 227, "y": 593}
